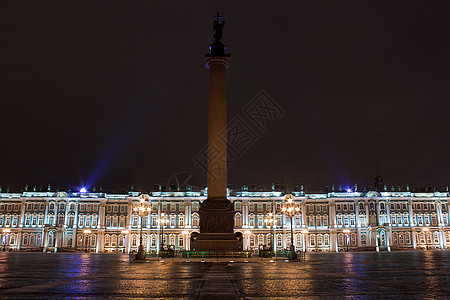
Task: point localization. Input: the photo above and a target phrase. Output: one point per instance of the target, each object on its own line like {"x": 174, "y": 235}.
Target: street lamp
{"x": 6, "y": 231}
{"x": 425, "y": 230}
{"x": 271, "y": 223}
{"x": 142, "y": 209}
{"x": 346, "y": 231}
{"x": 125, "y": 233}
{"x": 86, "y": 232}
{"x": 291, "y": 208}
{"x": 162, "y": 222}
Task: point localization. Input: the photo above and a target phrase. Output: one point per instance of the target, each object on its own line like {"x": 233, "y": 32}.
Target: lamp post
{"x": 162, "y": 222}
{"x": 425, "y": 230}
{"x": 271, "y": 222}
{"x": 142, "y": 209}
{"x": 346, "y": 231}
{"x": 125, "y": 233}
{"x": 6, "y": 231}
{"x": 86, "y": 232}
{"x": 291, "y": 208}
{"x": 304, "y": 234}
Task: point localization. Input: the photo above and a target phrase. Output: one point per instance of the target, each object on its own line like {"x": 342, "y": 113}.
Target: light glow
{"x": 83, "y": 190}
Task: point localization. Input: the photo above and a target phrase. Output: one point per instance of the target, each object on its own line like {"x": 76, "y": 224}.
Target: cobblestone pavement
{"x": 360, "y": 275}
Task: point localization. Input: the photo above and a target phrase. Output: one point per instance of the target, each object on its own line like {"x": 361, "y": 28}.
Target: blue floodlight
{"x": 83, "y": 190}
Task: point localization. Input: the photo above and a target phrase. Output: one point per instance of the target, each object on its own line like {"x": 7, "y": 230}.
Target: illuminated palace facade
{"x": 337, "y": 221}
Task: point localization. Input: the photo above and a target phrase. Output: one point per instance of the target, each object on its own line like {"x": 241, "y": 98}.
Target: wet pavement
{"x": 358, "y": 275}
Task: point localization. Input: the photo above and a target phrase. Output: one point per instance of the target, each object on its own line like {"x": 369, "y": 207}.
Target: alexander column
{"x": 217, "y": 212}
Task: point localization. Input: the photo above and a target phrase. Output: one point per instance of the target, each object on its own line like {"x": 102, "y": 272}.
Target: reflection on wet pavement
{"x": 409, "y": 274}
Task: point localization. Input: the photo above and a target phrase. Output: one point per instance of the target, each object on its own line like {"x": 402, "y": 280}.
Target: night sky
{"x": 115, "y": 94}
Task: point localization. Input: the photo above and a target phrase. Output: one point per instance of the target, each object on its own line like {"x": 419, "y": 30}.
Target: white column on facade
{"x": 413, "y": 237}
{"x": 333, "y": 231}
{"x": 45, "y": 239}
{"x": 358, "y": 223}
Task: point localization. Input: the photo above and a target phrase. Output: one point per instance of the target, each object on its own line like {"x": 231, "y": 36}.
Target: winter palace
{"x": 336, "y": 221}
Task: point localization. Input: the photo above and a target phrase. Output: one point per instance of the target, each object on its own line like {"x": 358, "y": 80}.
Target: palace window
{"x": 173, "y": 207}
{"x": 154, "y": 220}
{"x": 445, "y": 218}
{"x": 318, "y": 207}
{"x": 352, "y": 220}
{"x": 405, "y": 219}
{"x": 52, "y": 206}
{"x": 404, "y": 206}
{"x": 371, "y": 206}
{"x": 181, "y": 220}
{"x": 361, "y": 206}
{"x": 115, "y": 208}
{"x": 427, "y": 219}
{"x": 401, "y": 239}
{"x": 238, "y": 220}
{"x": 60, "y": 220}
{"x": 339, "y": 220}
{"x": 153, "y": 241}
{"x": 237, "y": 205}
{"x": 41, "y": 220}
{"x": 260, "y": 221}
{"x": 34, "y": 220}
{"x": 135, "y": 220}
{"x": 260, "y": 207}
{"x": 268, "y": 207}
{"x": 35, "y": 206}
{"x": 121, "y": 221}
{"x": 172, "y": 221}
{"x": 363, "y": 240}
{"x": 115, "y": 221}
{"x": 419, "y": 206}
{"x": 419, "y": 220}
{"x": 362, "y": 220}
{"x": 279, "y": 241}
{"x": 251, "y": 206}
{"x": 425, "y": 206}
{"x": 312, "y": 240}
{"x": 399, "y": 219}
{"x": 108, "y": 221}
{"x": 393, "y": 219}
{"x": 351, "y": 207}
{"x": 319, "y": 221}
{"x": 325, "y": 220}
{"x": 108, "y": 208}
{"x": 297, "y": 220}
{"x": 72, "y": 206}
{"x": 122, "y": 208}
{"x": 382, "y": 207}
{"x": 8, "y": 220}
{"x": 251, "y": 220}
{"x": 107, "y": 240}
{"x": 346, "y": 220}
{"x": 311, "y": 221}
{"x": 398, "y": 206}
{"x": 29, "y": 206}
{"x": 326, "y": 240}
{"x": 94, "y": 220}
{"x": 338, "y": 207}
{"x": 195, "y": 206}
{"x": 71, "y": 220}
{"x": 27, "y": 220}
{"x": 319, "y": 240}
{"x": 195, "y": 220}
{"x": 432, "y": 206}
{"x": 433, "y": 219}
{"x": 62, "y": 206}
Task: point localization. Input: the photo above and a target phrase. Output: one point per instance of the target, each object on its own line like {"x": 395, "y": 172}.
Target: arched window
{"x": 27, "y": 219}
{"x": 352, "y": 220}
{"x": 72, "y": 206}
{"x": 71, "y": 220}
{"x": 92, "y": 240}
{"x": 318, "y": 222}
{"x": 311, "y": 221}
{"x": 25, "y": 239}
{"x": 113, "y": 240}
{"x": 60, "y": 220}
{"x": 81, "y": 220}
{"x": 108, "y": 221}
{"x": 260, "y": 239}
{"x": 363, "y": 239}
{"x": 279, "y": 241}
{"x": 436, "y": 237}
{"x": 339, "y": 219}
{"x": 52, "y": 206}
{"x": 399, "y": 219}
{"x": 195, "y": 220}
{"x": 405, "y": 219}
{"x": 181, "y": 220}
{"x": 237, "y": 220}
{"x": 353, "y": 239}
{"x": 251, "y": 220}
{"x": 326, "y": 240}
{"x": 122, "y": 221}
{"x": 298, "y": 240}
{"x": 260, "y": 220}
{"x": 341, "y": 240}
{"x": 312, "y": 240}
{"x": 107, "y": 240}
{"x": 94, "y": 220}
{"x": 433, "y": 219}
{"x": 173, "y": 222}
{"x": 401, "y": 239}
{"x": 297, "y": 221}
{"x": 319, "y": 240}
{"x": 38, "y": 239}
{"x": 395, "y": 238}
{"x": 407, "y": 238}
{"x": 153, "y": 241}
{"x": 115, "y": 222}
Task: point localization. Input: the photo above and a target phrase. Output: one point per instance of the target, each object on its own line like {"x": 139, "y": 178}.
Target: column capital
{"x": 222, "y": 60}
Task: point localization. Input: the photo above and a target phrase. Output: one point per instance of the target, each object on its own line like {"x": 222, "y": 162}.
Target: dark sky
{"x": 114, "y": 94}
